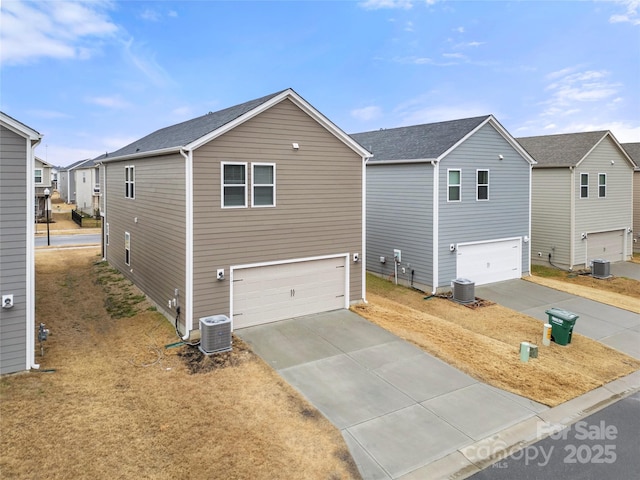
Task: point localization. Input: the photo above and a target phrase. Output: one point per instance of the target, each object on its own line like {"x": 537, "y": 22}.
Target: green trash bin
{"x": 562, "y": 323}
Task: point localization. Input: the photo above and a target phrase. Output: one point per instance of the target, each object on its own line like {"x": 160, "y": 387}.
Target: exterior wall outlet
{"x": 356, "y": 257}
{"x": 397, "y": 255}
{"x": 220, "y": 274}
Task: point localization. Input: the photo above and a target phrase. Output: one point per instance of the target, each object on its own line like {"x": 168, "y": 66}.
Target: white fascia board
{"x": 302, "y": 104}
{"x": 397, "y": 162}
{"x": 19, "y": 127}
{"x": 151, "y": 153}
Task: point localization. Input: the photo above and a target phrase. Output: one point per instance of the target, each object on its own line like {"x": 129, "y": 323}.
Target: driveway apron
{"x": 398, "y": 408}
{"x": 612, "y": 326}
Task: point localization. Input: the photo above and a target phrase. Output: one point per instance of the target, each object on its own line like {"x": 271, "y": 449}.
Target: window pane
{"x": 483, "y": 177}
{"x": 234, "y": 196}
{"x": 483, "y": 192}
{"x": 263, "y": 174}
{"x": 454, "y": 193}
{"x": 263, "y": 196}
{"x": 234, "y": 174}
{"x": 454, "y": 177}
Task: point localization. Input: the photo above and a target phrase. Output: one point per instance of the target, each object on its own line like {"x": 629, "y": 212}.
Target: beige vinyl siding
{"x": 318, "y": 197}
{"x": 636, "y": 211}
{"x": 614, "y": 212}
{"x": 551, "y": 215}
{"x": 158, "y": 236}
{"x": 504, "y": 215}
{"x": 13, "y": 250}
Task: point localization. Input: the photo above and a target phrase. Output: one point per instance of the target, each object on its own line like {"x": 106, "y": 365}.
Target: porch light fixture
{"x": 295, "y": 146}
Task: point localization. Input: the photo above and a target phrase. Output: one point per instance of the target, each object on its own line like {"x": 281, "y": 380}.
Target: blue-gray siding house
{"x": 17, "y": 284}
{"x": 447, "y": 200}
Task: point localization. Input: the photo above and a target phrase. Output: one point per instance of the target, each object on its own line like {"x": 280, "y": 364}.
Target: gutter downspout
{"x": 436, "y": 221}
{"x": 363, "y": 261}
{"x": 572, "y": 219}
{"x": 31, "y": 253}
{"x": 188, "y": 274}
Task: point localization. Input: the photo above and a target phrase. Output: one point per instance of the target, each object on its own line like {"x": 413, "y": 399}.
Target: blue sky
{"x": 94, "y": 76}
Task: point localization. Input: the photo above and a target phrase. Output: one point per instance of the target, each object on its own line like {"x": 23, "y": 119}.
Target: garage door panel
{"x": 275, "y": 292}
{"x": 490, "y": 262}
{"x": 606, "y": 246}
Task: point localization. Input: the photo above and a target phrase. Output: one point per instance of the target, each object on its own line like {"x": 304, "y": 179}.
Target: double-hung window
{"x": 482, "y": 186}
{"x": 584, "y": 185}
{"x": 234, "y": 185}
{"x": 263, "y": 180}
{"x": 602, "y": 185}
{"x": 129, "y": 182}
{"x": 454, "y": 182}
{"x": 38, "y": 175}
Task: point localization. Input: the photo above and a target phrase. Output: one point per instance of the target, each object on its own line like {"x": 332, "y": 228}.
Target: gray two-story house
{"x": 446, "y": 201}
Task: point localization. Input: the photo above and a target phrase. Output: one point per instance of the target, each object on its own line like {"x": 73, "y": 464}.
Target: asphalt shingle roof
{"x": 427, "y": 141}
{"x": 563, "y": 150}
{"x": 633, "y": 150}
{"x": 184, "y": 133}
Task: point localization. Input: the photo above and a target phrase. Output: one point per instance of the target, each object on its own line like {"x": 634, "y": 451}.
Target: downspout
{"x": 188, "y": 294}
{"x": 530, "y": 201}
{"x": 363, "y": 256}
{"x": 436, "y": 222}
{"x": 572, "y": 219}
{"x": 30, "y": 274}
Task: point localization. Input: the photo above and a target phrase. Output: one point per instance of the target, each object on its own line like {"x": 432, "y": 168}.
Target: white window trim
{"x": 253, "y": 184}
{"x": 602, "y": 185}
{"x": 106, "y": 234}
{"x": 478, "y": 185}
{"x": 130, "y": 182}
{"x": 582, "y": 185}
{"x": 459, "y": 185}
{"x": 35, "y": 176}
{"x": 222, "y": 184}
{"x": 127, "y": 248}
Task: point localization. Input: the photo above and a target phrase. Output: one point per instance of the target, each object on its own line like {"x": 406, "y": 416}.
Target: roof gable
{"x": 19, "y": 127}
{"x": 566, "y": 150}
{"x": 633, "y": 150}
{"x": 198, "y": 131}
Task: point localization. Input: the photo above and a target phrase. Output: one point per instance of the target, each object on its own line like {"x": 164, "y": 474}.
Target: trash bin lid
{"x": 562, "y": 314}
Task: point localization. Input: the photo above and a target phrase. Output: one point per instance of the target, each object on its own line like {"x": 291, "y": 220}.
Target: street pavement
{"x": 66, "y": 240}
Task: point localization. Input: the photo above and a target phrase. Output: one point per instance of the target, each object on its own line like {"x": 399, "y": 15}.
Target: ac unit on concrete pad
{"x": 464, "y": 290}
{"x": 600, "y": 268}
{"x": 215, "y": 334}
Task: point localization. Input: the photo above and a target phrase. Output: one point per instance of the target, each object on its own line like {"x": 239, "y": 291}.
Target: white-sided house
{"x": 452, "y": 199}
{"x": 67, "y": 181}
{"x": 581, "y": 199}
{"x": 633, "y": 150}
{"x": 87, "y": 186}
{"x": 255, "y": 212}
{"x": 17, "y": 267}
{"x": 42, "y": 174}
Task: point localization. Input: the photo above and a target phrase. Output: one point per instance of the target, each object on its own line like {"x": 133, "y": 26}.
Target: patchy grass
{"x": 484, "y": 342}
{"x": 117, "y": 404}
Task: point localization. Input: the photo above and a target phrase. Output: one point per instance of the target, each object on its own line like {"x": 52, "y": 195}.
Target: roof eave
{"x": 402, "y": 161}
{"x": 151, "y": 153}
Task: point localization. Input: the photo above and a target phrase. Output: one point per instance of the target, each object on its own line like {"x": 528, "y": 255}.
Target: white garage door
{"x": 489, "y": 262}
{"x": 606, "y": 246}
{"x": 275, "y": 292}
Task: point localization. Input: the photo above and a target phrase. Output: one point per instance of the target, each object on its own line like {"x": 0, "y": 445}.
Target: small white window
{"x": 454, "y": 178}
{"x": 602, "y": 185}
{"x": 106, "y": 234}
{"x": 263, "y": 180}
{"x": 127, "y": 248}
{"x": 584, "y": 185}
{"x": 129, "y": 182}
{"x": 234, "y": 185}
{"x": 482, "y": 187}
{"x": 38, "y": 175}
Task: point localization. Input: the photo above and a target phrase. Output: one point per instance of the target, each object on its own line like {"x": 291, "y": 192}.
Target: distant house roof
{"x": 633, "y": 150}
{"x": 418, "y": 142}
{"x": 46, "y": 164}
{"x": 194, "y": 132}
{"x": 75, "y": 165}
{"x": 565, "y": 150}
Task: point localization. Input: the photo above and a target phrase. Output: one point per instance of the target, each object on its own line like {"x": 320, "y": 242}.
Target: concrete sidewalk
{"x": 403, "y": 413}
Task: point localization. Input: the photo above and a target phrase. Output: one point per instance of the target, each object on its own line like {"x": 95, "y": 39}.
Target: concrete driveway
{"x": 625, "y": 269}
{"x": 398, "y": 408}
{"x": 612, "y": 326}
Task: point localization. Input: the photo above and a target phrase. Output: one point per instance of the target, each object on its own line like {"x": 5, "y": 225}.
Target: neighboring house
{"x": 87, "y": 186}
{"x": 42, "y": 180}
{"x": 67, "y": 181}
{"x": 254, "y": 212}
{"x": 452, "y": 198}
{"x": 581, "y": 199}
{"x": 633, "y": 150}
{"x": 17, "y": 283}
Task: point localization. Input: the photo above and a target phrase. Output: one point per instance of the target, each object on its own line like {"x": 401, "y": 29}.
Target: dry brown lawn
{"x": 484, "y": 342}
{"x": 110, "y": 401}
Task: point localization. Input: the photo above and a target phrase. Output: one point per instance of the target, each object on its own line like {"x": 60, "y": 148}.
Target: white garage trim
{"x": 490, "y": 260}
{"x": 300, "y": 308}
{"x": 609, "y": 245}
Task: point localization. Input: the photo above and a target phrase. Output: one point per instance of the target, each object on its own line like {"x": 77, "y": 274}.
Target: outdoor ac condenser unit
{"x": 463, "y": 290}
{"x": 600, "y": 268}
{"x": 215, "y": 334}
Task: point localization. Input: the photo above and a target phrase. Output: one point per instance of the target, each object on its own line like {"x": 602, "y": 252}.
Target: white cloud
{"x": 379, "y": 4}
{"x": 624, "y": 132}
{"x": 32, "y": 30}
{"x": 48, "y": 114}
{"x": 150, "y": 15}
{"x": 367, "y": 113}
{"x": 570, "y": 88}
{"x": 630, "y": 15}
{"x": 115, "y": 102}
{"x": 459, "y": 29}
{"x": 145, "y": 62}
